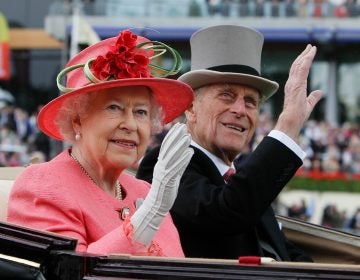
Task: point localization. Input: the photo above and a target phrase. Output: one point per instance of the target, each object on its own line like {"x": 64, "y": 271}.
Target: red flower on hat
{"x": 124, "y": 60}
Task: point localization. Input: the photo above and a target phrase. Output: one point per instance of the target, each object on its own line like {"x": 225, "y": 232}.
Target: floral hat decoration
{"x": 125, "y": 60}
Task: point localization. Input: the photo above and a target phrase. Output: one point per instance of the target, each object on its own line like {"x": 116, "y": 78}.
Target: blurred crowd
{"x": 203, "y": 8}
{"x": 332, "y": 216}
{"x": 287, "y": 8}
{"x": 330, "y": 149}
{"x": 20, "y": 140}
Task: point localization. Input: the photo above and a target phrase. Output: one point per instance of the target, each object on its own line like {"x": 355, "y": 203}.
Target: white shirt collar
{"x": 219, "y": 163}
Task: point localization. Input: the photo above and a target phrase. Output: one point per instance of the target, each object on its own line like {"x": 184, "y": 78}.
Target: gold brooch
{"x": 124, "y": 213}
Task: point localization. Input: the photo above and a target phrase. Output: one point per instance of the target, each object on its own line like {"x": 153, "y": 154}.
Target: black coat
{"x": 219, "y": 220}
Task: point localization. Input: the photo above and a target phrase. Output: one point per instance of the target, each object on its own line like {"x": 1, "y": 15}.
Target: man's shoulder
{"x": 150, "y": 157}
{"x": 147, "y": 163}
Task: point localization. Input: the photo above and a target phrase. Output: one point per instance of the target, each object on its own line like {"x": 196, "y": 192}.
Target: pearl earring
{"x": 77, "y": 136}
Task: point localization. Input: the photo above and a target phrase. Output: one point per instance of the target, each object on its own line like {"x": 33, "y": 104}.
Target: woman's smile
{"x": 128, "y": 144}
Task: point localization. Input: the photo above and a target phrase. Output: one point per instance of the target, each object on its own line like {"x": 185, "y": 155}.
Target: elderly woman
{"x": 110, "y": 106}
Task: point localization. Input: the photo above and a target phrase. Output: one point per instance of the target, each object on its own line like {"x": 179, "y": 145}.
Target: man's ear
{"x": 190, "y": 113}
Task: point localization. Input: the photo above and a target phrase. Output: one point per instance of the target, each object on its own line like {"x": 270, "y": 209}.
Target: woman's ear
{"x": 76, "y": 123}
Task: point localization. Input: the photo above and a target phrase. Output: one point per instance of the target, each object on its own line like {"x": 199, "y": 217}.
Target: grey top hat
{"x": 228, "y": 54}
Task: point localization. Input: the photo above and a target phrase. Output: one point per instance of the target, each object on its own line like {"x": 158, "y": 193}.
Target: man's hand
{"x": 297, "y": 104}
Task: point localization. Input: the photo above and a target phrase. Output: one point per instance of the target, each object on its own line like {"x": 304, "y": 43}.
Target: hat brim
{"x": 199, "y": 78}
{"x": 172, "y": 96}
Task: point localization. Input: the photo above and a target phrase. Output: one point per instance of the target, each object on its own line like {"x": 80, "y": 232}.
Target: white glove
{"x": 174, "y": 157}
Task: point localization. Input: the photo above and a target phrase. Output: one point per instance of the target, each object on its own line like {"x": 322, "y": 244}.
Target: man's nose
{"x": 238, "y": 107}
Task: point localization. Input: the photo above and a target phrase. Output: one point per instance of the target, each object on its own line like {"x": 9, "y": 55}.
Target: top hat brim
{"x": 172, "y": 96}
{"x": 199, "y": 78}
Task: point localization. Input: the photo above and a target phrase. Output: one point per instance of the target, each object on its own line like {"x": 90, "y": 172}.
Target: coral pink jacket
{"x": 58, "y": 197}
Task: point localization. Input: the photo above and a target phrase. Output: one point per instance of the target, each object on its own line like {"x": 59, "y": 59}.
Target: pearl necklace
{"x": 118, "y": 190}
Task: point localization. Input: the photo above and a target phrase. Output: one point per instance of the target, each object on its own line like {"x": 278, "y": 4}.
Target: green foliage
{"x": 310, "y": 184}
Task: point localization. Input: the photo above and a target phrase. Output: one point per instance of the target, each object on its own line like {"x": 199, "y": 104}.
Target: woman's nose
{"x": 128, "y": 121}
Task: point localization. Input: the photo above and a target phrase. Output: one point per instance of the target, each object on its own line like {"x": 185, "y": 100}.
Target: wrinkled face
{"x": 223, "y": 118}
{"x": 116, "y": 130}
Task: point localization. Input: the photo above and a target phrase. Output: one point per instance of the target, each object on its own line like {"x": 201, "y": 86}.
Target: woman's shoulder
{"x": 45, "y": 171}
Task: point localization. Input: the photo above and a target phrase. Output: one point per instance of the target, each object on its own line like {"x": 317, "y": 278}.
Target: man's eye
{"x": 226, "y": 94}
{"x": 251, "y": 102}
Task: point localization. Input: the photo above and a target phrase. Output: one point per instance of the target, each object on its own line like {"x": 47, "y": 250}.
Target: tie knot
{"x": 228, "y": 173}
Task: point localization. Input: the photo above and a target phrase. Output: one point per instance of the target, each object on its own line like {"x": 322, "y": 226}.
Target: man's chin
{"x": 235, "y": 148}
{"x": 232, "y": 152}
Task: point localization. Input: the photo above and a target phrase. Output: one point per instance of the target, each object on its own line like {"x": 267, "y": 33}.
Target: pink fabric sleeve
{"x": 41, "y": 205}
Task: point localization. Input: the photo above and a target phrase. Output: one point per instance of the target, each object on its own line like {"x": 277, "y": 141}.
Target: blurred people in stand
{"x": 354, "y": 223}
{"x": 332, "y": 217}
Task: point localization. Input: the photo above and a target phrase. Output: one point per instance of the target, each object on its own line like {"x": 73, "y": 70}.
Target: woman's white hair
{"x": 78, "y": 107}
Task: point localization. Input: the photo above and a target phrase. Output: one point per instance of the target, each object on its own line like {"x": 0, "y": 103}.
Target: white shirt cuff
{"x": 288, "y": 142}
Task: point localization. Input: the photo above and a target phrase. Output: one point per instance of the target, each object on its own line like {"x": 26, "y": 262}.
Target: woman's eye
{"x": 142, "y": 112}
{"x": 113, "y": 107}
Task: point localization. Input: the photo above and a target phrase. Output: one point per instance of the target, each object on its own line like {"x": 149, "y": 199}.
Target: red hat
{"x": 119, "y": 62}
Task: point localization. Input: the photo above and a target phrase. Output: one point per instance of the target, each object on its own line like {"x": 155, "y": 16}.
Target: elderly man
{"x": 221, "y": 216}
